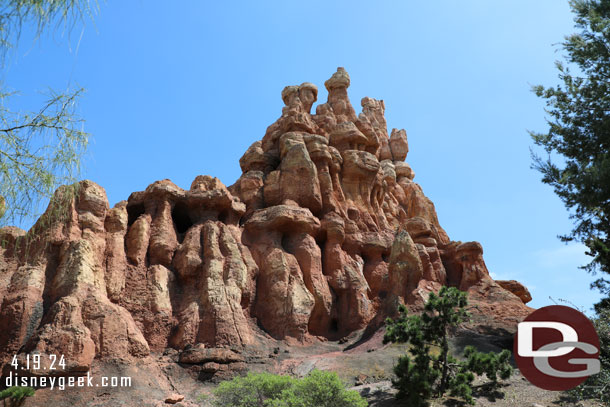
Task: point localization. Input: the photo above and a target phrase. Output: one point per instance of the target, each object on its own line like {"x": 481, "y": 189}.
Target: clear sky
{"x": 183, "y": 89}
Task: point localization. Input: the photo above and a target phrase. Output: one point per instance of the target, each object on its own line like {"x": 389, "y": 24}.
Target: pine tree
{"x": 578, "y": 138}
{"x": 422, "y": 373}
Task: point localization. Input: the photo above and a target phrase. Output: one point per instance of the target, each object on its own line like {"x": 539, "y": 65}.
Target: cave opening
{"x": 134, "y": 212}
{"x": 182, "y": 219}
{"x": 334, "y": 325}
{"x": 223, "y": 216}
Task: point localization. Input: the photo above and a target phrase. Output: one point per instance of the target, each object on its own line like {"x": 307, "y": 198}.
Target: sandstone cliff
{"x": 324, "y": 233}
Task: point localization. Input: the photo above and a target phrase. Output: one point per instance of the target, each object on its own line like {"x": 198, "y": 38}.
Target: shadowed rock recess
{"x": 324, "y": 233}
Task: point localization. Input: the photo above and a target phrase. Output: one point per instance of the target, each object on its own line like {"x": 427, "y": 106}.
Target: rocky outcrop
{"x": 324, "y": 233}
{"x": 516, "y": 288}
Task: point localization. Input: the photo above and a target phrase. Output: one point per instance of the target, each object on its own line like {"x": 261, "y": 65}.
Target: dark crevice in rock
{"x": 223, "y": 216}
{"x": 286, "y": 246}
{"x": 134, "y": 212}
{"x": 50, "y": 270}
{"x": 334, "y": 326}
{"x": 182, "y": 219}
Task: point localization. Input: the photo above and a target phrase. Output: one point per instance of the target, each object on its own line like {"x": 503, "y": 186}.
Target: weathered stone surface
{"x": 499, "y": 311}
{"x": 516, "y": 288}
{"x": 324, "y": 233}
{"x": 284, "y": 305}
{"x": 223, "y": 284}
{"x": 116, "y": 258}
{"x": 296, "y": 167}
{"x": 403, "y": 170}
{"x": 469, "y": 256}
{"x": 163, "y": 239}
{"x": 283, "y": 218}
{"x": 22, "y": 307}
{"x": 66, "y": 334}
{"x": 254, "y": 158}
{"x": 399, "y": 144}
{"x": 405, "y": 266}
{"x": 309, "y": 257}
{"x": 137, "y": 240}
{"x": 174, "y": 398}
{"x": 200, "y": 354}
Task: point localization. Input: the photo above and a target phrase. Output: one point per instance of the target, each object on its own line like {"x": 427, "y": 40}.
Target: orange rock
{"x": 516, "y": 288}
{"x": 323, "y": 234}
{"x": 174, "y": 398}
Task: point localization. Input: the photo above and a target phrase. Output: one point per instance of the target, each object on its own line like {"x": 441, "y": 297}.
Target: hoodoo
{"x": 324, "y": 234}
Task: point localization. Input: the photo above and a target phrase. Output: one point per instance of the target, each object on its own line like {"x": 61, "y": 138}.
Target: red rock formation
{"x": 324, "y": 232}
{"x": 516, "y": 288}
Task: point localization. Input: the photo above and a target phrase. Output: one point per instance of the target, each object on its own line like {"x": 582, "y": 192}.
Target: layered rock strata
{"x": 324, "y": 233}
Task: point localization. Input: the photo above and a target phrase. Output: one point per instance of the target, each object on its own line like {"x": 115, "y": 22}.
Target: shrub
{"x": 492, "y": 364}
{"x": 598, "y": 386}
{"x": 16, "y": 393}
{"x": 253, "y": 390}
{"x": 318, "y": 389}
{"x": 423, "y": 374}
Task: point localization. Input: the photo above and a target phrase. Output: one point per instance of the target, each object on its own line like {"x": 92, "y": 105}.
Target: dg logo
{"x": 557, "y": 348}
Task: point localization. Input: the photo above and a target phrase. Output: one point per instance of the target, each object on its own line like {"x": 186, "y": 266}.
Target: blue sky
{"x": 173, "y": 92}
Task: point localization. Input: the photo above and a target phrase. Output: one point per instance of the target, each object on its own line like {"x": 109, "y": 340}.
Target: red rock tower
{"x": 324, "y": 233}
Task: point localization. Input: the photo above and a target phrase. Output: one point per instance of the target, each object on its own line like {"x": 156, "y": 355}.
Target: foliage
{"x": 318, "y": 389}
{"x": 579, "y": 134}
{"x": 252, "y": 390}
{"x": 598, "y": 386}
{"x": 15, "y": 14}
{"x": 38, "y": 151}
{"x": 424, "y": 374}
{"x": 16, "y": 393}
{"x": 493, "y": 365}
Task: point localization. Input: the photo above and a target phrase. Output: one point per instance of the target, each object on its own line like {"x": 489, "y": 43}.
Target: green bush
{"x": 491, "y": 364}
{"x": 253, "y": 390}
{"x": 16, "y": 393}
{"x": 318, "y": 389}
{"x": 429, "y": 370}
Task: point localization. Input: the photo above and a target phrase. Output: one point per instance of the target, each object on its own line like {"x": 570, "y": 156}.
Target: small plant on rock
{"x": 16, "y": 393}
{"x": 429, "y": 370}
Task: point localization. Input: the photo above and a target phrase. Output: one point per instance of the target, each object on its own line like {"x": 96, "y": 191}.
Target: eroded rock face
{"x": 516, "y": 288}
{"x": 324, "y": 233}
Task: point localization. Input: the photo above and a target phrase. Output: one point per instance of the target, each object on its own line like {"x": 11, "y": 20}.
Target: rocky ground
{"x": 516, "y": 392}
{"x": 365, "y": 367}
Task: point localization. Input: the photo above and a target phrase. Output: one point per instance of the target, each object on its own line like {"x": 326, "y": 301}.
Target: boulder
{"x": 516, "y": 288}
